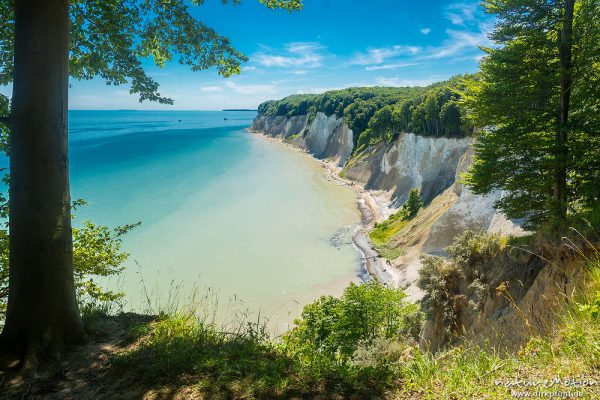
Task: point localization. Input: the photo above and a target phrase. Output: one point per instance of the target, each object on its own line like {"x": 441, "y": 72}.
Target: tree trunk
{"x": 562, "y": 152}
{"x": 42, "y": 307}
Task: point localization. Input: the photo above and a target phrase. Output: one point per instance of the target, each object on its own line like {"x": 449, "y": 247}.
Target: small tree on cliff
{"x": 538, "y": 96}
{"x": 42, "y": 42}
{"x": 413, "y": 204}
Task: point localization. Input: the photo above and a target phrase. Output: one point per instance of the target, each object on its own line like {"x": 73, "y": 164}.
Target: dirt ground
{"x": 85, "y": 373}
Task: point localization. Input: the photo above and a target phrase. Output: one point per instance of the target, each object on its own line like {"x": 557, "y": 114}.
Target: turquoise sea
{"x": 228, "y": 215}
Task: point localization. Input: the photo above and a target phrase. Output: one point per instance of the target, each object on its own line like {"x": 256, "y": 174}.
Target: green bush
{"x": 331, "y": 329}
{"x": 348, "y": 346}
{"x": 472, "y": 246}
{"x": 97, "y": 253}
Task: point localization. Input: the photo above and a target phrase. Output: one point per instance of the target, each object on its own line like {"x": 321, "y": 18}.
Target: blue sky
{"x": 330, "y": 44}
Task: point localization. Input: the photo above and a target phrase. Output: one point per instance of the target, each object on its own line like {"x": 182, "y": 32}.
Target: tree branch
{"x": 5, "y": 120}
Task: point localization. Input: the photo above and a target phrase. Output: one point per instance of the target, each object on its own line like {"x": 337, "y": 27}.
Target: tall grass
{"x": 243, "y": 361}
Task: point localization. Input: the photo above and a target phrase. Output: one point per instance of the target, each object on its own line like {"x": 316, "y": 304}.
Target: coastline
{"x": 371, "y": 211}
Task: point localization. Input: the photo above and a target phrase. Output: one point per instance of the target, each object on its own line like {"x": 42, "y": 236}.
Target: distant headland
{"x": 239, "y": 109}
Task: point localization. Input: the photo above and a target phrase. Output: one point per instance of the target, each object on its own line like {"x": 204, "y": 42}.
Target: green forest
{"x": 378, "y": 114}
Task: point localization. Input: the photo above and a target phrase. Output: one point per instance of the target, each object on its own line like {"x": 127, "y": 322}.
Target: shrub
{"x": 438, "y": 278}
{"x": 472, "y": 246}
{"x": 96, "y": 253}
{"x": 331, "y": 329}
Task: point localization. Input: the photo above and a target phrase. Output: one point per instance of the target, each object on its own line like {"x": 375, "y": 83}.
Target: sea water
{"x": 227, "y": 216}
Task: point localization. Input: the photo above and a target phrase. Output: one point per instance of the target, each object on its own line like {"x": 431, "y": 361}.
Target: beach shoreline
{"x": 372, "y": 210}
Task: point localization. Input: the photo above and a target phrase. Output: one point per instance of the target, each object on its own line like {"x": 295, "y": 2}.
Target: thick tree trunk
{"x": 565, "y": 55}
{"x": 42, "y": 307}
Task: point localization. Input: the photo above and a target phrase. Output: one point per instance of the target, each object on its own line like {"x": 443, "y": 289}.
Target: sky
{"x": 329, "y": 44}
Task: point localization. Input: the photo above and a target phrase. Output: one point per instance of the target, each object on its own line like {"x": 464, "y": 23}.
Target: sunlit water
{"x": 259, "y": 224}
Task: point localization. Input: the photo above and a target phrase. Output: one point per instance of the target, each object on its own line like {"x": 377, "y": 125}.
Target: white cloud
{"x": 425, "y": 31}
{"x": 379, "y": 55}
{"x": 299, "y": 72}
{"x": 316, "y": 90}
{"x": 249, "y": 68}
{"x": 297, "y": 54}
{"x": 211, "y": 89}
{"x": 461, "y": 13}
{"x": 457, "y": 42}
{"x": 461, "y": 42}
{"x": 389, "y": 66}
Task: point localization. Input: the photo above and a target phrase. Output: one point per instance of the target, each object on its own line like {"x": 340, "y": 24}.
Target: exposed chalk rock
{"x": 329, "y": 138}
{"x": 411, "y": 161}
{"x": 280, "y": 126}
{"x": 433, "y": 164}
{"x": 469, "y": 212}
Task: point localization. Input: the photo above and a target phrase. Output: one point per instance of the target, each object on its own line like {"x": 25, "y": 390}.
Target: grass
{"x": 183, "y": 349}
{"x": 382, "y": 233}
{"x": 478, "y": 371}
{"x": 244, "y": 362}
{"x": 291, "y": 138}
{"x": 388, "y": 251}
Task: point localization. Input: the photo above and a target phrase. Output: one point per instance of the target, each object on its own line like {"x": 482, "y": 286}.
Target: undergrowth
{"x": 364, "y": 344}
{"x": 331, "y": 351}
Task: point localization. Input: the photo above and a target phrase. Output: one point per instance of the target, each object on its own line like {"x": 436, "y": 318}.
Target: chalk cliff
{"x": 433, "y": 164}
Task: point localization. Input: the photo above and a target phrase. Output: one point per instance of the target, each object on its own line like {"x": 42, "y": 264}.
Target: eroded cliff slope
{"x": 432, "y": 164}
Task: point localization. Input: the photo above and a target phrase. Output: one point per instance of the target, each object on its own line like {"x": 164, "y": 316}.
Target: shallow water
{"x": 258, "y": 223}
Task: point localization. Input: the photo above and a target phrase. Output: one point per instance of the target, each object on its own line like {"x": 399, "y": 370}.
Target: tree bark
{"x": 42, "y": 306}
{"x": 562, "y": 153}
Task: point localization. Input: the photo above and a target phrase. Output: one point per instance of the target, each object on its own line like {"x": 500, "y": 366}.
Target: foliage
{"x": 517, "y": 98}
{"x": 474, "y": 370}
{"x": 382, "y": 232}
{"x": 379, "y": 113}
{"x": 438, "y": 278}
{"x": 472, "y": 246}
{"x": 97, "y": 253}
{"x": 3, "y": 271}
{"x": 327, "y": 353}
{"x": 111, "y": 38}
{"x": 413, "y": 204}
{"x": 331, "y": 329}
{"x": 244, "y": 363}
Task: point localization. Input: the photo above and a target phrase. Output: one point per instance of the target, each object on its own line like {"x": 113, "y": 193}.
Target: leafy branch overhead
{"x": 111, "y": 38}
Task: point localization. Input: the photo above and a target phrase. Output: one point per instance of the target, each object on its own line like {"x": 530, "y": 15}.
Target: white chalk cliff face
{"x": 279, "y": 126}
{"x": 411, "y": 161}
{"x": 326, "y": 138}
{"x": 432, "y": 164}
{"x": 469, "y": 211}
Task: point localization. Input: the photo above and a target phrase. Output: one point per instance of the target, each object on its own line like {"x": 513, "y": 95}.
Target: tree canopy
{"x": 539, "y": 107}
{"x": 110, "y": 38}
